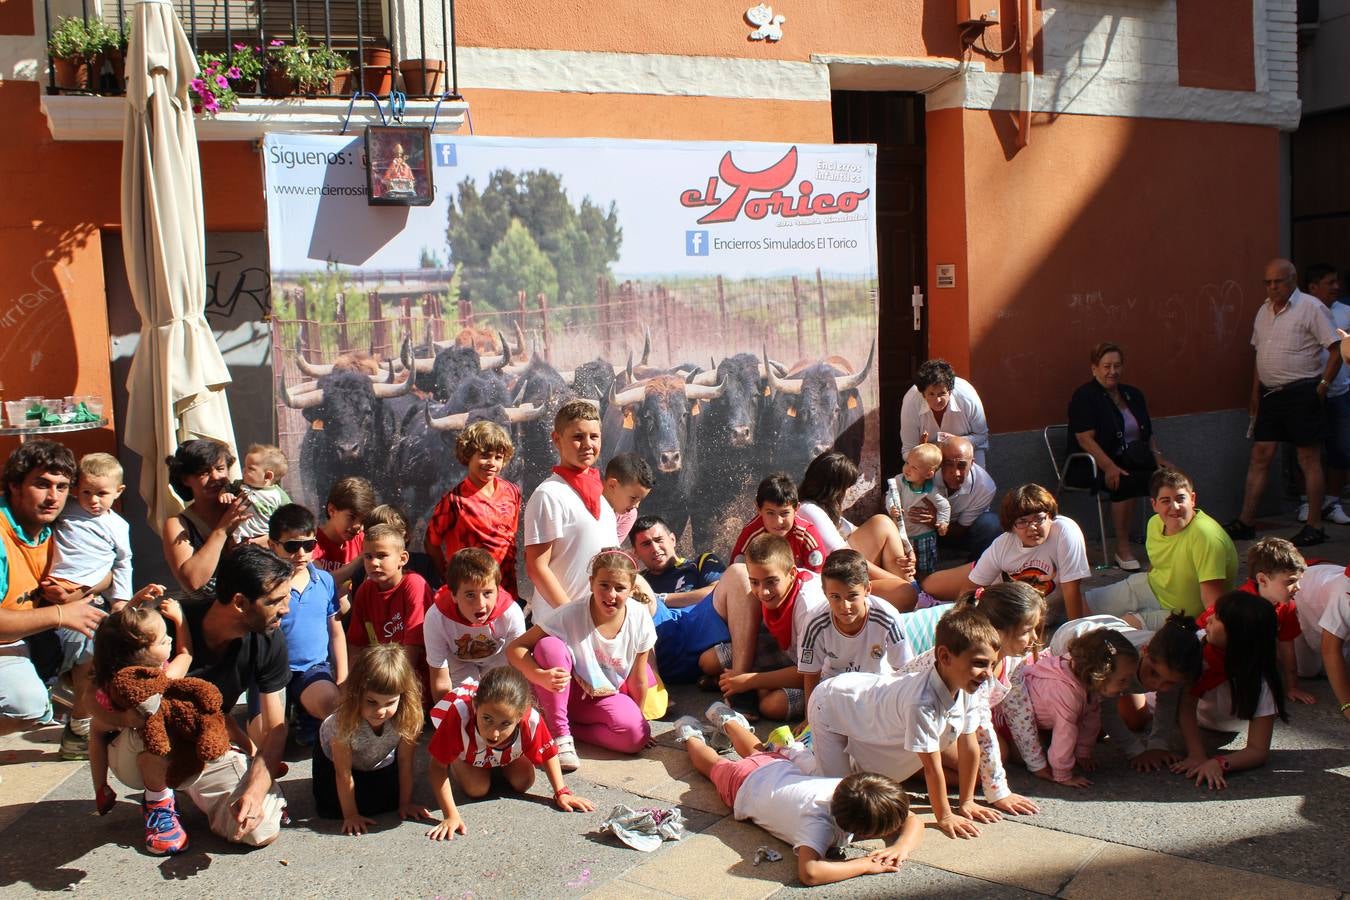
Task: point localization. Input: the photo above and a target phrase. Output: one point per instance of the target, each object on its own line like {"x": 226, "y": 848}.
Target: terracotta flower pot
{"x": 375, "y": 57}
{"x": 72, "y": 74}
{"x": 423, "y": 77}
{"x": 376, "y": 80}
{"x": 343, "y": 82}
{"x": 278, "y": 84}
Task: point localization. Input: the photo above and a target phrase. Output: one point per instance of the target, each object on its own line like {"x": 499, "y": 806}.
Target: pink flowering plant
{"x": 215, "y": 90}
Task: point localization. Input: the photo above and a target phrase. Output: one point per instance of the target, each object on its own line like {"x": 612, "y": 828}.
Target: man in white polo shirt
{"x": 1289, "y": 386}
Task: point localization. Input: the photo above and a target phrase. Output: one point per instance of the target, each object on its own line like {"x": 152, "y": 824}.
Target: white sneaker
{"x": 719, "y": 714}
{"x": 567, "y": 753}
{"x": 1303, "y": 511}
{"x": 1334, "y": 513}
{"x": 687, "y": 727}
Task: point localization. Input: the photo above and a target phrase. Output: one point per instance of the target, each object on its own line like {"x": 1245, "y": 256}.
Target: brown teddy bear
{"x": 183, "y": 721}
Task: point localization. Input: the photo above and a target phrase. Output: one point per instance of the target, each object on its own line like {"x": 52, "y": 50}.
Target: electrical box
{"x": 976, "y": 12}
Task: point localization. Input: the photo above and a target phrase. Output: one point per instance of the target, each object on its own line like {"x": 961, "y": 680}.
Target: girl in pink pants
{"x": 588, "y": 663}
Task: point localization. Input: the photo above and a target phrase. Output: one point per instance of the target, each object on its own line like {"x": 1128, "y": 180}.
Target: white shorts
{"x": 213, "y": 791}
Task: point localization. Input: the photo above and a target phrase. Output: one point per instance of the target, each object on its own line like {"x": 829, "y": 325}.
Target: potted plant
{"x": 300, "y": 68}
{"x": 248, "y": 63}
{"x": 377, "y": 76}
{"x": 73, "y": 51}
{"x": 422, "y": 77}
{"x": 212, "y": 91}
{"x": 112, "y": 48}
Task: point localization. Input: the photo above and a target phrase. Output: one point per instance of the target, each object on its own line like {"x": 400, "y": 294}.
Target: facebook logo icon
{"x": 696, "y": 243}
{"x": 445, "y": 155}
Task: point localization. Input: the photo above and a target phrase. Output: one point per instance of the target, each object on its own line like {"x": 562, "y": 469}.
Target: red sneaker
{"x": 164, "y": 833}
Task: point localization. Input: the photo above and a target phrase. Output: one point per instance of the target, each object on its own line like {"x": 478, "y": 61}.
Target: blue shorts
{"x": 294, "y": 688}
{"x": 683, "y": 634}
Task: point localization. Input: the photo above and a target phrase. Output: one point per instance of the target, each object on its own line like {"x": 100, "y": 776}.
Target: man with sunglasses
{"x": 315, "y": 642}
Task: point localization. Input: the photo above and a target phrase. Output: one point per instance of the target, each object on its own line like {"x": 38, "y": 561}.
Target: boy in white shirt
{"x": 782, "y": 792}
{"x": 854, "y": 634}
{"x": 470, "y": 623}
{"x": 264, "y": 467}
{"x": 788, "y": 598}
{"x": 92, "y": 549}
{"x": 92, "y": 540}
{"x": 896, "y": 725}
{"x": 567, "y": 520}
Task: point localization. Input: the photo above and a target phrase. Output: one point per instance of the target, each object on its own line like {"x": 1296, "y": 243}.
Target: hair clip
{"x": 979, "y": 592}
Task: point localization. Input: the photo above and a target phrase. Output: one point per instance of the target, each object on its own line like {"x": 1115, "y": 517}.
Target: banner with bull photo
{"x": 717, "y": 300}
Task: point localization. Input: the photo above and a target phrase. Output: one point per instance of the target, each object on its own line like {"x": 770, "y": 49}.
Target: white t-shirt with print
{"x": 792, "y": 804}
{"x": 556, "y": 514}
{"x": 1063, "y": 557}
{"x": 469, "y": 651}
{"x": 602, "y": 664}
{"x": 879, "y": 648}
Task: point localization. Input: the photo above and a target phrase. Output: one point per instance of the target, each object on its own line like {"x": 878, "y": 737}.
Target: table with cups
{"x": 38, "y": 416}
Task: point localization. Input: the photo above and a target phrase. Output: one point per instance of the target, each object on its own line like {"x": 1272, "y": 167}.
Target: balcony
{"x": 268, "y": 65}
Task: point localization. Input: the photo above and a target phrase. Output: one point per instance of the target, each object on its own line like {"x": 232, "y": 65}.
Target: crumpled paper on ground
{"x": 766, "y": 854}
{"x": 645, "y": 829}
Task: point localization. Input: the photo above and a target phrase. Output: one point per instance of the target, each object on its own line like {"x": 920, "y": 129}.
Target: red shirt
{"x": 389, "y": 617}
{"x": 803, "y": 538}
{"x": 466, "y": 518}
{"x": 1286, "y": 613}
{"x": 457, "y": 737}
{"x": 331, "y": 556}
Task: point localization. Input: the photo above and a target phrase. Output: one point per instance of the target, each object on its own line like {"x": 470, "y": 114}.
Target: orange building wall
{"x": 1149, "y": 233}
{"x": 1215, "y": 45}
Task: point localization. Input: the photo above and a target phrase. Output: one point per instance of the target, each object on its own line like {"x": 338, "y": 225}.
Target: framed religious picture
{"x": 398, "y": 166}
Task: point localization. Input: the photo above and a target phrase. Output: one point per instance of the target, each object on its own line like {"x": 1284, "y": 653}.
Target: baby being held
{"x": 264, "y": 467}
{"x": 915, "y": 485}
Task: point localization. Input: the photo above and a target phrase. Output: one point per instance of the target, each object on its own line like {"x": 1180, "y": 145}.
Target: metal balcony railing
{"x": 364, "y": 45}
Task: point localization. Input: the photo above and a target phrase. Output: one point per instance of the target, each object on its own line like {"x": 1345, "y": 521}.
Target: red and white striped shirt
{"x": 457, "y": 738}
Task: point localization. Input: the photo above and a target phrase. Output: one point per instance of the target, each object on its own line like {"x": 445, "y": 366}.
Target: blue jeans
{"x": 978, "y": 536}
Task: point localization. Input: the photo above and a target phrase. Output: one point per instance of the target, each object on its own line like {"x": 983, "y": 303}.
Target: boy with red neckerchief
{"x": 788, "y": 598}
{"x": 470, "y": 623}
{"x": 567, "y": 521}
{"x": 483, "y": 510}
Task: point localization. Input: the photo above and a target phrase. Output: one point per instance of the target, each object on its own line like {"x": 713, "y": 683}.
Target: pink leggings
{"x": 614, "y": 722}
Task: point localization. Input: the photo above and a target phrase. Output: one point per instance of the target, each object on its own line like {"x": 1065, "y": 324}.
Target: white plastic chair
{"x": 1055, "y": 437}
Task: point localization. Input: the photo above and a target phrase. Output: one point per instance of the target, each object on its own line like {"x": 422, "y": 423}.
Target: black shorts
{"x": 1292, "y": 414}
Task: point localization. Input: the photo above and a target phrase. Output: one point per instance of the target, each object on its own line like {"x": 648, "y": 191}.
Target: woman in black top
{"x": 1109, "y": 420}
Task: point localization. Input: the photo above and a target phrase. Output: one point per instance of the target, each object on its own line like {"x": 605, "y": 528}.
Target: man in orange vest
{"x": 41, "y": 626}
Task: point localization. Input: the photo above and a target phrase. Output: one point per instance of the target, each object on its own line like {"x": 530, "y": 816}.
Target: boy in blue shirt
{"x": 314, "y": 638}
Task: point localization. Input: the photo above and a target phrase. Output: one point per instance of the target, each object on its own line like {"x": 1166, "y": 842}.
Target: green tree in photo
{"x": 517, "y": 263}
{"x": 580, "y": 241}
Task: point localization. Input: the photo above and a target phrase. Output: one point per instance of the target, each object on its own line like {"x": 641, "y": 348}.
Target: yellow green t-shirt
{"x": 1202, "y": 551}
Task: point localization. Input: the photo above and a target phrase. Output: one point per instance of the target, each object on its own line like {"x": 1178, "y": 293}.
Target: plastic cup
{"x": 93, "y": 403}
{"x": 16, "y": 412}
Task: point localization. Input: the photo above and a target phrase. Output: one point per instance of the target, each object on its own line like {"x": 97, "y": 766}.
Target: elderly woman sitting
{"x": 1109, "y": 420}
{"x": 940, "y": 405}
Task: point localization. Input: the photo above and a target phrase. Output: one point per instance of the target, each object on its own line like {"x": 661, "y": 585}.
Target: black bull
{"x": 656, "y": 418}
{"x": 352, "y": 426}
{"x": 812, "y": 409}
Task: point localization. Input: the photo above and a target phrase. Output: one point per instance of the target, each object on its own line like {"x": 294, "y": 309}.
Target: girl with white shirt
{"x": 1039, "y": 547}
{"x": 1239, "y": 685}
{"x": 881, "y": 540}
{"x": 941, "y": 404}
{"x": 588, "y": 663}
